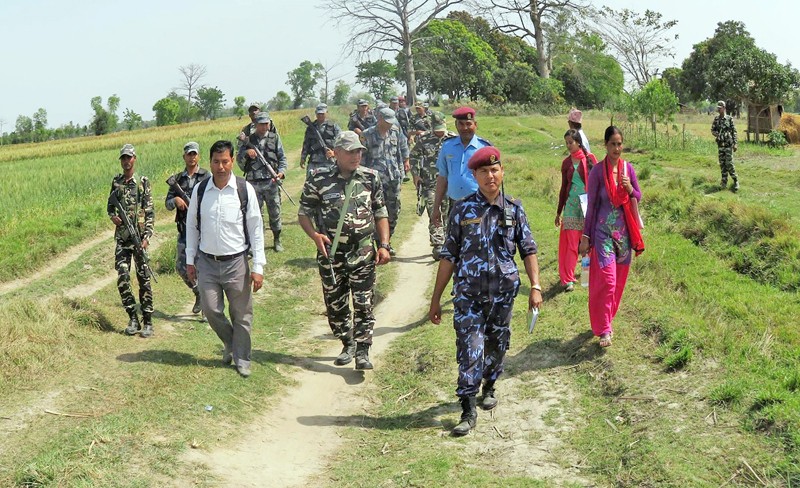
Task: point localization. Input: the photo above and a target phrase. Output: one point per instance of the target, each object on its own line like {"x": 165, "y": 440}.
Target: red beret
{"x": 464, "y": 113}
{"x": 485, "y": 156}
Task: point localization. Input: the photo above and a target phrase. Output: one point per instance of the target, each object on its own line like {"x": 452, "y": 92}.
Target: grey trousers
{"x": 217, "y": 280}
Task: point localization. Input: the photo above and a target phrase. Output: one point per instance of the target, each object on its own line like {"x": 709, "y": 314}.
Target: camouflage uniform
{"x": 257, "y": 174}
{"x": 386, "y": 157}
{"x": 423, "y": 165}
{"x": 354, "y": 262}
{"x": 362, "y": 124}
{"x": 187, "y": 184}
{"x": 136, "y": 197}
{"x": 485, "y": 283}
{"x": 403, "y": 120}
{"x": 420, "y": 122}
{"x": 725, "y": 133}
{"x": 311, "y": 147}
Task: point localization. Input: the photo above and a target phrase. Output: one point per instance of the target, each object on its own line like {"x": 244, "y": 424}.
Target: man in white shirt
{"x": 216, "y": 253}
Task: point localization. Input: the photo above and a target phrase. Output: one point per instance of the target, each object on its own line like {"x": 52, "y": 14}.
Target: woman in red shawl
{"x": 611, "y": 234}
{"x": 569, "y": 215}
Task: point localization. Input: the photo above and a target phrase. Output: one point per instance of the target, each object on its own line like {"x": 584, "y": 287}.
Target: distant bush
{"x": 776, "y": 138}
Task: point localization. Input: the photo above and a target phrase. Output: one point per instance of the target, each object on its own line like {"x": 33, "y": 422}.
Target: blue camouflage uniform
{"x": 452, "y": 164}
{"x": 485, "y": 283}
{"x": 267, "y": 190}
{"x": 386, "y": 156}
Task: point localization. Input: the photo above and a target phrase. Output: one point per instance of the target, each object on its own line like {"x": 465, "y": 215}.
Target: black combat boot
{"x": 196, "y": 308}
{"x": 437, "y": 250}
{"x": 276, "y": 234}
{"x": 348, "y": 351}
{"x": 469, "y": 416}
{"x": 488, "y": 401}
{"x": 147, "y": 322}
{"x": 133, "y": 324}
{"x": 735, "y": 187}
{"x": 362, "y": 356}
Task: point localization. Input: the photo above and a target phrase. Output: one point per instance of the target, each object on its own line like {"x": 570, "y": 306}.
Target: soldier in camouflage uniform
{"x": 267, "y": 190}
{"x": 316, "y": 154}
{"x": 362, "y": 119}
{"x": 486, "y": 228}
{"x": 252, "y": 110}
{"x": 423, "y": 168}
{"x": 135, "y": 196}
{"x": 419, "y": 122}
{"x": 387, "y": 153}
{"x": 186, "y": 179}
{"x": 725, "y": 133}
{"x": 401, "y": 113}
{"x": 347, "y": 260}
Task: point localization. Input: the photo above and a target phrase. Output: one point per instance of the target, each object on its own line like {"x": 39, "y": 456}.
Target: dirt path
{"x": 280, "y": 449}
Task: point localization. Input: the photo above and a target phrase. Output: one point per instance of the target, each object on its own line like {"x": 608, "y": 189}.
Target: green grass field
{"x": 701, "y": 387}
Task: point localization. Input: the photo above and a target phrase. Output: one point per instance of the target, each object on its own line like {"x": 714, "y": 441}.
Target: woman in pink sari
{"x": 569, "y": 215}
{"x": 611, "y": 233}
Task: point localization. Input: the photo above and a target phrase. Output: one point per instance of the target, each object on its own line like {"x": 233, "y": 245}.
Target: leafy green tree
{"x": 508, "y": 48}
{"x": 209, "y": 101}
{"x": 40, "y": 130}
{"x": 99, "y": 122}
{"x": 302, "y": 81}
{"x": 167, "y": 110}
{"x": 590, "y": 76}
{"x": 340, "y": 93}
{"x": 674, "y": 79}
{"x": 131, "y": 119}
{"x": 112, "y": 105}
{"x": 377, "y": 77}
{"x": 238, "y": 107}
{"x": 281, "y": 101}
{"x": 24, "y": 128}
{"x": 656, "y": 102}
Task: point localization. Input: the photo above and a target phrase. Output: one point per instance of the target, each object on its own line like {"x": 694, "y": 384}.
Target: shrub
{"x": 776, "y": 138}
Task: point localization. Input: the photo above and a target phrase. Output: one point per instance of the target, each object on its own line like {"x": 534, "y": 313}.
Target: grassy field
{"x": 701, "y": 387}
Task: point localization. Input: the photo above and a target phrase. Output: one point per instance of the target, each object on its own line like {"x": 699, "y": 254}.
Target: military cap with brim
{"x": 348, "y": 140}
{"x": 438, "y": 122}
{"x": 254, "y": 104}
{"x": 127, "y": 150}
{"x": 263, "y": 118}
{"x": 322, "y": 108}
{"x": 464, "y": 113}
{"x": 394, "y": 99}
{"x": 721, "y": 103}
{"x": 191, "y": 147}
{"x": 485, "y": 156}
{"x": 362, "y": 102}
{"x": 387, "y": 114}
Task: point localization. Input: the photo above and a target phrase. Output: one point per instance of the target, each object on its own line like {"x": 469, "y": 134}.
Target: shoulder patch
{"x": 368, "y": 171}
{"x": 485, "y": 141}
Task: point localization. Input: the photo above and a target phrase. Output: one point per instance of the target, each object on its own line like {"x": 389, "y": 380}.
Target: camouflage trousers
{"x": 268, "y": 193}
{"x": 357, "y": 279}
{"x": 391, "y": 196}
{"x": 483, "y": 334}
{"x": 435, "y": 232}
{"x": 180, "y": 264}
{"x": 122, "y": 263}
{"x": 726, "y": 163}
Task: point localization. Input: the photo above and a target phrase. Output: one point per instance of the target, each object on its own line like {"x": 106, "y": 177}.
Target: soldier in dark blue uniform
{"x": 485, "y": 230}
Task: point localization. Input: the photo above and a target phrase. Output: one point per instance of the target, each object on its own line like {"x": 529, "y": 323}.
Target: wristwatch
{"x": 384, "y": 246}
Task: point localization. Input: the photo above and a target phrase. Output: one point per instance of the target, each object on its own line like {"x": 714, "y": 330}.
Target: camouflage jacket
{"x": 403, "y": 120}
{"x": 136, "y": 197}
{"x": 482, "y": 248}
{"x": 249, "y": 129}
{"x": 724, "y": 131}
{"x": 420, "y": 122}
{"x": 323, "y": 198}
{"x": 385, "y": 155}
{"x": 311, "y": 147}
{"x": 271, "y": 147}
{"x": 187, "y": 184}
{"x": 356, "y": 122}
{"x": 426, "y": 152}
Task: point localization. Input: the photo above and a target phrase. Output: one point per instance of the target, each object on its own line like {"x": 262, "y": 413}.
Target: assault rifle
{"x": 307, "y": 120}
{"x": 271, "y": 170}
{"x": 173, "y": 183}
{"x": 139, "y": 252}
{"x": 420, "y": 200}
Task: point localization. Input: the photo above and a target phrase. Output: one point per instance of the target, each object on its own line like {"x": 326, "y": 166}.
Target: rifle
{"x": 271, "y": 170}
{"x": 139, "y": 252}
{"x": 173, "y": 183}
{"x": 307, "y": 120}
{"x": 420, "y": 200}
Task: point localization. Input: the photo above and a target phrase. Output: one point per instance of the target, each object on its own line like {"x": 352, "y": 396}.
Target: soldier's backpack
{"x": 241, "y": 190}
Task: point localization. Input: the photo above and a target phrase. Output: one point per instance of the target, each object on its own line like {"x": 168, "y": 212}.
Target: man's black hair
{"x": 221, "y": 146}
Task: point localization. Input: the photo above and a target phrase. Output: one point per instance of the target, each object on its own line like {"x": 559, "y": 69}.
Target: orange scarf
{"x": 619, "y": 197}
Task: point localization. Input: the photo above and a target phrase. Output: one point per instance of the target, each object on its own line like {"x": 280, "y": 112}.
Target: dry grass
{"x": 790, "y": 126}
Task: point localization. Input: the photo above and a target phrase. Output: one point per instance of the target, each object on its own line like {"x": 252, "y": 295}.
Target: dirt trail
{"x": 281, "y": 450}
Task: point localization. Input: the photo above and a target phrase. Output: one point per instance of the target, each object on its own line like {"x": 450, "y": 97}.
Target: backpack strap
{"x": 241, "y": 191}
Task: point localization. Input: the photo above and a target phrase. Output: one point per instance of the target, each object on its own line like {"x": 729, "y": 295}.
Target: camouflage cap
{"x": 127, "y": 150}
{"x": 263, "y": 118}
{"x": 191, "y": 147}
{"x": 380, "y": 105}
{"x": 394, "y": 99}
{"x": 721, "y": 103}
{"x": 361, "y": 102}
{"x": 438, "y": 121}
{"x": 254, "y": 104}
{"x": 322, "y": 108}
{"x": 348, "y": 140}
{"x": 387, "y": 114}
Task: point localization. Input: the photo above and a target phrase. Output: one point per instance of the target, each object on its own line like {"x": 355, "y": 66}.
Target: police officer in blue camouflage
{"x": 401, "y": 114}
{"x": 362, "y": 118}
{"x": 341, "y": 208}
{"x": 485, "y": 230}
{"x": 135, "y": 196}
{"x": 316, "y": 154}
{"x": 186, "y": 180}
{"x": 423, "y": 168}
{"x": 387, "y": 153}
{"x": 257, "y": 174}
{"x": 724, "y": 132}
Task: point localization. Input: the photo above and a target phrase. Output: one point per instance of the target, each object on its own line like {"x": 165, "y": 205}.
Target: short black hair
{"x": 221, "y": 146}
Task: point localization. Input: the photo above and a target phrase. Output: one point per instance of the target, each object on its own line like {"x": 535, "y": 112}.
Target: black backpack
{"x": 241, "y": 189}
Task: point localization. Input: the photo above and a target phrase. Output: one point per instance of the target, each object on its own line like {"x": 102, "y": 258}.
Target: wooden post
{"x": 683, "y": 144}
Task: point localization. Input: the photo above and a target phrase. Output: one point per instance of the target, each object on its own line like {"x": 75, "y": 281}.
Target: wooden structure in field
{"x": 761, "y": 119}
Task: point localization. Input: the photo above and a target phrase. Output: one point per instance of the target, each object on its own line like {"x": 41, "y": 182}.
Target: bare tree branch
{"x": 192, "y": 73}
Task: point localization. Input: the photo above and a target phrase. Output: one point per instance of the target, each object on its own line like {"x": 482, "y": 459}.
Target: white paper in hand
{"x": 584, "y": 198}
{"x": 533, "y": 314}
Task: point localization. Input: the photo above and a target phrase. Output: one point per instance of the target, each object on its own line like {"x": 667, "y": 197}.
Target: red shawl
{"x": 619, "y": 197}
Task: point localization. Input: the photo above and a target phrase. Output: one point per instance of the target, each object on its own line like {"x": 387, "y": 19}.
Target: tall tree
{"x": 340, "y": 93}
{"x": 167, "y": 110}
{"x": 238, "y": 106}
{"x": 377, "y": 77}
{"x": 209, "y": 101}
{"x": 302, "y": 81}
{"x": 131, "y": 119}
{"x": 99, "y": 122}
{"x": 281, "y": 101}
{"x": 530, "y": 19}
{"x": 640, "y": 42}
{"x": 192, "y": 74}
{"x": 24, "y": 128}
{"x": 591, "y": 77}
{"x": 388, "y": 26}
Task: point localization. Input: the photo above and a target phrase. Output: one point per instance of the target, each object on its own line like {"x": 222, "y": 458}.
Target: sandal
{"x": 605, "y": 340}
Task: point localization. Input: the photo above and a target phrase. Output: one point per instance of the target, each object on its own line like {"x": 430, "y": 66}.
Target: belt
{"x": 227, "y": 257}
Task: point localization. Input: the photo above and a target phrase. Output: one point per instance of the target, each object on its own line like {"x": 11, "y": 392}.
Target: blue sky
{"x": 58, "y": 54}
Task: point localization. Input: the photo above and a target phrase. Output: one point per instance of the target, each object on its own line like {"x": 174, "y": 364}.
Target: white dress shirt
{"x": 222, "y": 232}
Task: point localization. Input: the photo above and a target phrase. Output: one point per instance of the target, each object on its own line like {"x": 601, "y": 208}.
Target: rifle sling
{"x": 348, "y": 194}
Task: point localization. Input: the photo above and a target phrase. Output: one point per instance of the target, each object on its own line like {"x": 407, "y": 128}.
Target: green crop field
{"x": 701, "y": 387}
